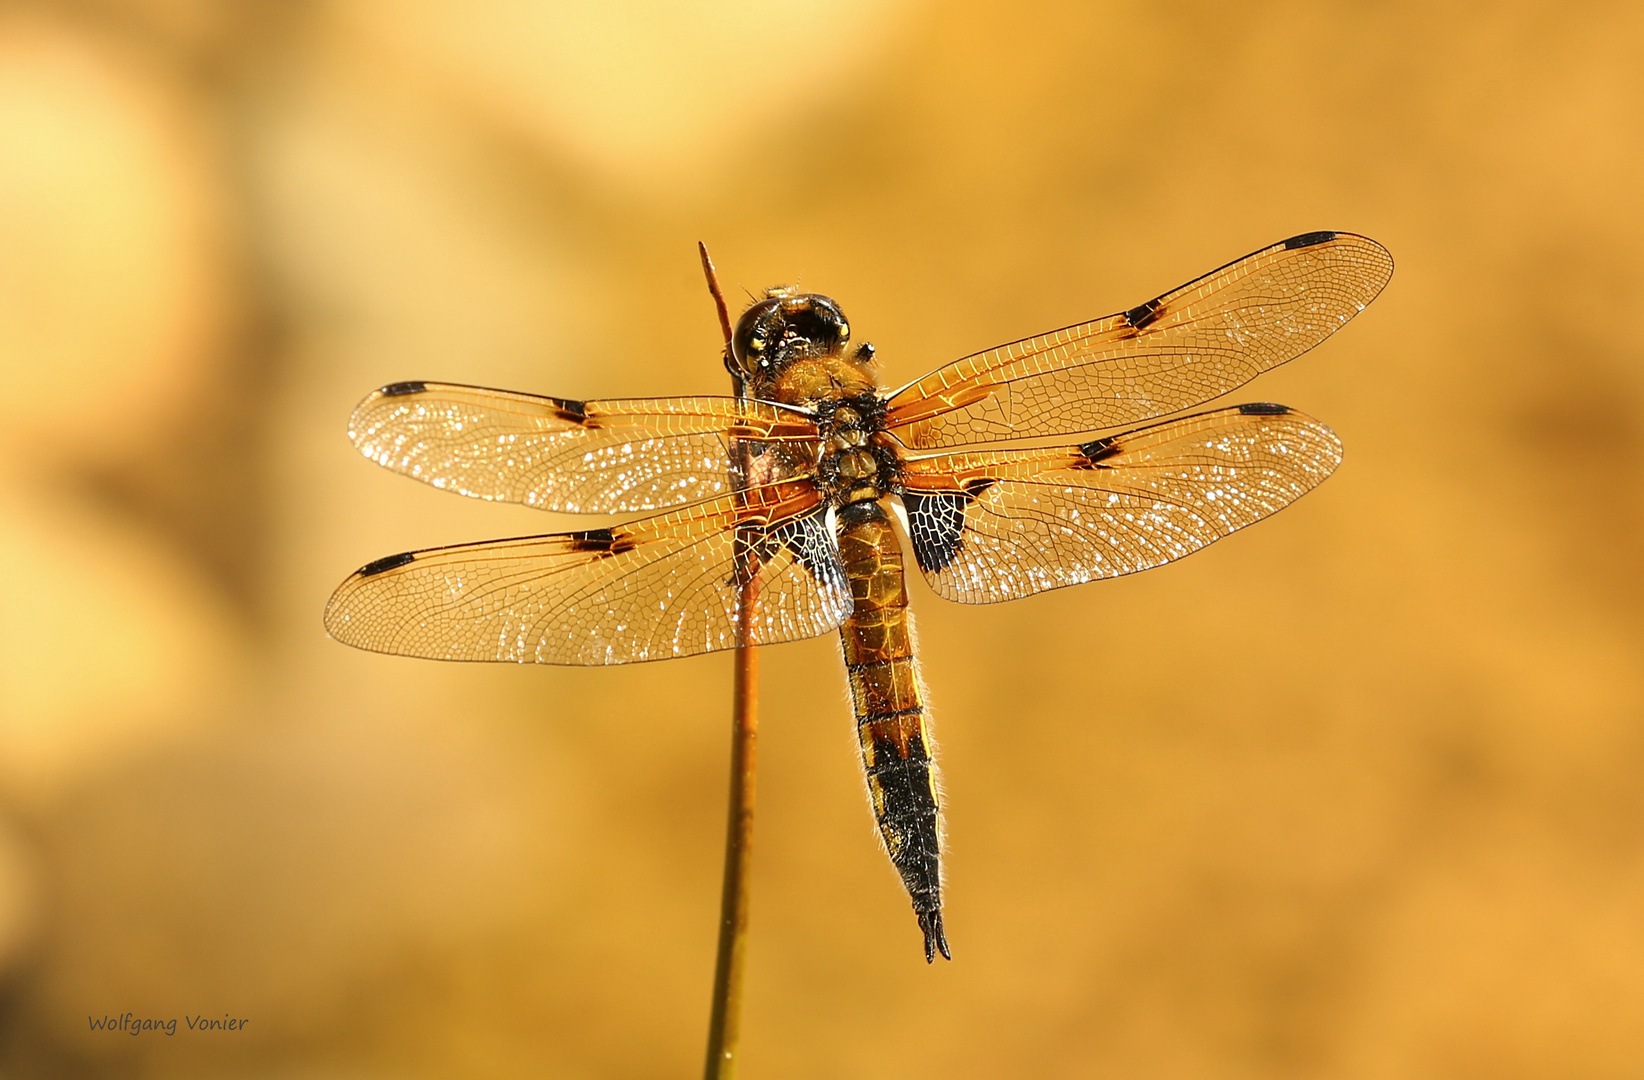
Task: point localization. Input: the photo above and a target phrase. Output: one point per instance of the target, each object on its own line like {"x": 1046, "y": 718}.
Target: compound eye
{"x": 816, "y": 319}
{"x": 750, "y": 341}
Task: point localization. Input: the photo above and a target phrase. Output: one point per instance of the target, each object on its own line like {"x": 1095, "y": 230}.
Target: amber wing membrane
{"x": 558, "y": 454}
{"x": 652, "y": 589}
{"x": 1182, "y": 349}
{"x": 993, "y": 526}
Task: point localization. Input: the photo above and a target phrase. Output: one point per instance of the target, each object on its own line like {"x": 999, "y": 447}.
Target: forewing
{"x": 1184, "y": 348}
{"x": 558, "y": 454}
{"x": 995, "y": 526}
{"x": 656, "y": 588}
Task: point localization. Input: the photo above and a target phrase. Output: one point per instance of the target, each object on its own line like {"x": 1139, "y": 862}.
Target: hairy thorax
{"x": 795, "y": 349}
{"x": 809, "y": 381}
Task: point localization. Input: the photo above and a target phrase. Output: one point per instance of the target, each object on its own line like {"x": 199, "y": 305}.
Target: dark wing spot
{"x": 751, "y": 548}
{"x": 401, "y": 389}
{"x": 1144, "y": 315}
{"x": 1263, "y": 408}
{"x": 386, "y": 563}
{"x": 574, "y": 411}
{"x": 1100, "y": 449}
{"x": 974, "y": 489}
{"x": 1308, "y": 239}
{"x": 599, "y": 541}
{"x": 815, "y": 550}
{"x": 936, "y": 524}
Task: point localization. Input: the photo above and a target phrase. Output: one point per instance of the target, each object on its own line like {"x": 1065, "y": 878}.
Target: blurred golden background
{"x": 1358, "y": 793}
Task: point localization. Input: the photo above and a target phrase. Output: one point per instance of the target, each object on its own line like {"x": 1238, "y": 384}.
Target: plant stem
{"x": 725, "y": 1019}
{"x": 725, "y": 1022}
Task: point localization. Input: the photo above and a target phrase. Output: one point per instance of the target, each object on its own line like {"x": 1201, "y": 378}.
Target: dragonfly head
{"x": 783, "y": 327}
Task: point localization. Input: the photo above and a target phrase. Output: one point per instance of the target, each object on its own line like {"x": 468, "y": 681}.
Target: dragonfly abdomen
{"x": 889, "y": 703}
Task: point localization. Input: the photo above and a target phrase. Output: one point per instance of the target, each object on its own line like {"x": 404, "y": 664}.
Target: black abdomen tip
{"x": 1308, "y": 239}
{"x": 935, "y": 939}
{"x": 387, "y": 562}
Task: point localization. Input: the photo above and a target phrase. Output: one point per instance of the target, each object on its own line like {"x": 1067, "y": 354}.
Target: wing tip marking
{"x": 403, "y": 389}
{"x": 1309, "y": 239}
{"x": 1264, "y": 408}
{"x": 385, "y": 564}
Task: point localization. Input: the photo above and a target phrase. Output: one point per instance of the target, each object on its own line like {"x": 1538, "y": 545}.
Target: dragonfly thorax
{"x": 858, "y": 462}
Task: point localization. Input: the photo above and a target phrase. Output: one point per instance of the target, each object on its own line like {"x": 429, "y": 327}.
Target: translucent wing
{"x": 557, "y": 454}
{"x": 659, "y": 587}
{"x": 1184, "y": 348}
{"x": 999, "y": 525}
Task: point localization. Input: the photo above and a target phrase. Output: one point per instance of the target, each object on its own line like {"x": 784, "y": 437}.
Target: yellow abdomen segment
{"x": 890, "y": 711}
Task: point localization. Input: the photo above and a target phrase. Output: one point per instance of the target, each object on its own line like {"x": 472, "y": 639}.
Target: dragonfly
{"x": 1051, "y": 461}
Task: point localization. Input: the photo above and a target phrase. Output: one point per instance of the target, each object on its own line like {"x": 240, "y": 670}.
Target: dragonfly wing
{"x": 576, "y": 456}
{"x": 652, "y": 589}
{"x": 1184, "y": 348}
{"x": 994, "y": 526}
